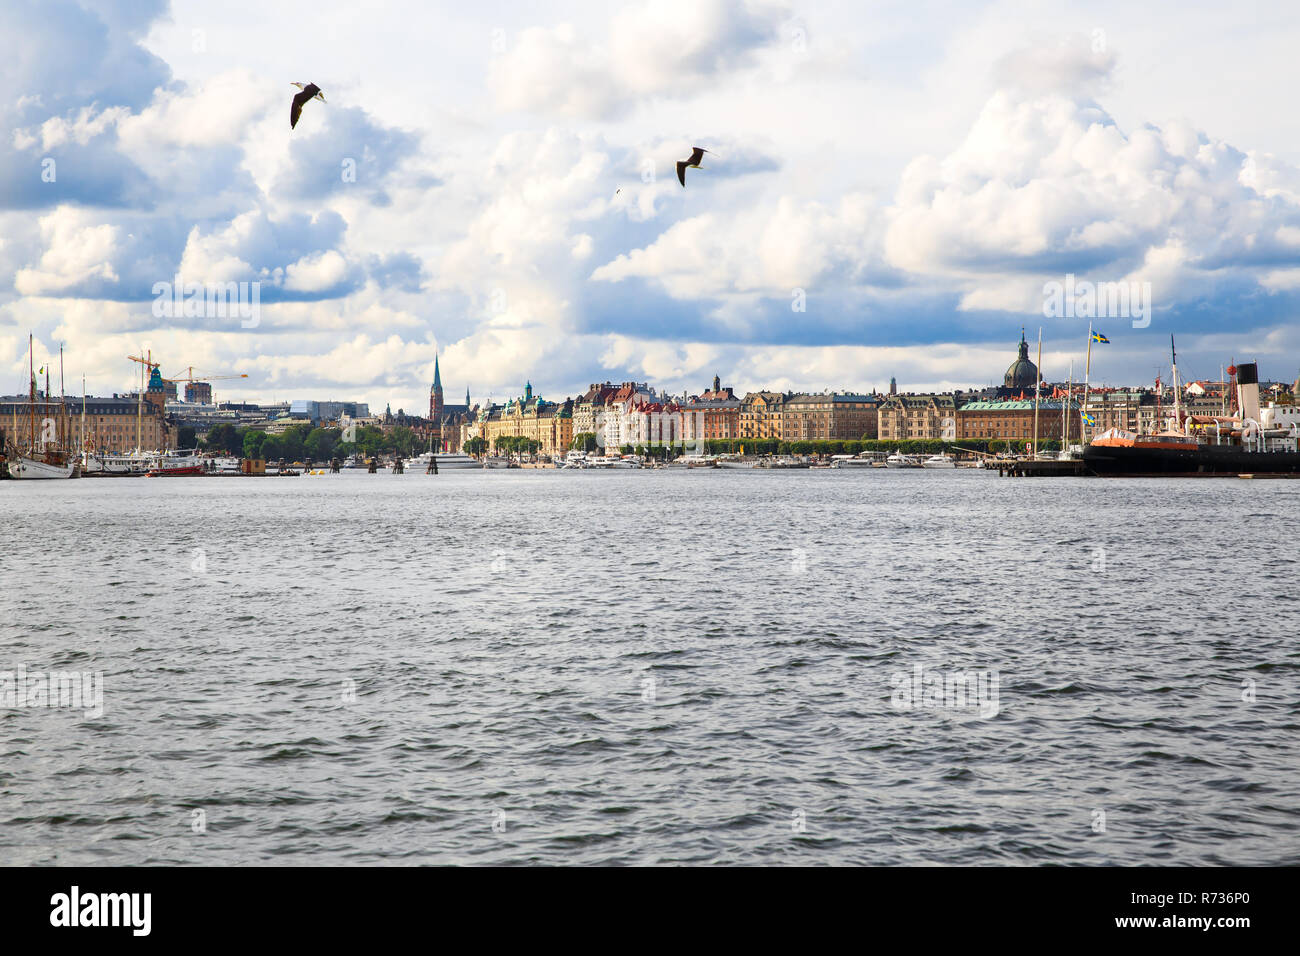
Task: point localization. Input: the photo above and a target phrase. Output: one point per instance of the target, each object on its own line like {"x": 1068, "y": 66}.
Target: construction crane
{"x": 191, "y": 379}
{"x": 189, "y": 376}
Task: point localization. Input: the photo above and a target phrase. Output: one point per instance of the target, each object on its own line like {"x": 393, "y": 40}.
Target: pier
{"x": 1042, "y": 467}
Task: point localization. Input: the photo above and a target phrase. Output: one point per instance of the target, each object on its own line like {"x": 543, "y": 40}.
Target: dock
{"x": 1042, "y": 467}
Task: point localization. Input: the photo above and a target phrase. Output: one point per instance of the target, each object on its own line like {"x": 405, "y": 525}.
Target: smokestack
{"x": 1248, "y": 391}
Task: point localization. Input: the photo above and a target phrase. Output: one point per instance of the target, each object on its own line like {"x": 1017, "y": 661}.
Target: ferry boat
{"x": 420, "y": 463}
{"x": 866, "y": 459}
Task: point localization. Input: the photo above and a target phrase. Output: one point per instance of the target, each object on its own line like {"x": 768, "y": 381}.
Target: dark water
{"x": 652, "y": 667}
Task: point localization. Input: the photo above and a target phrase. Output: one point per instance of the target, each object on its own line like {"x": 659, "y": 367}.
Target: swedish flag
{"x": 1098, "y": 337}
{"x": 1088, "y": 419}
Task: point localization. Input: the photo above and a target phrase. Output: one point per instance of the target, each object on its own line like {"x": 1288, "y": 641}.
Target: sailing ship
{"x": 42, "y": 457}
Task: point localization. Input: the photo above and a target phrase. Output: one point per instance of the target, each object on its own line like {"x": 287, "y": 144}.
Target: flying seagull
{"x": 310, "y": 91}
{"x": 697, "y": 153}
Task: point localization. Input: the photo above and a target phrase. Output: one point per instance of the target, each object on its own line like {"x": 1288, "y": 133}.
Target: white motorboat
{"x": 899, "y": 460}
{"x": 939, "y": 461}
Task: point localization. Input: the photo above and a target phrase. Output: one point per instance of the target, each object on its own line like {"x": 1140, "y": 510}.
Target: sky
{"x": 890, "y": 189}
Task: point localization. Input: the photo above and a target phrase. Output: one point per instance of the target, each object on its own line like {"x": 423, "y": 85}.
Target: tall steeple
{"x": 717, "y": 384}
{"x": 435, "y": 393}
{"x": 467, "y": 396}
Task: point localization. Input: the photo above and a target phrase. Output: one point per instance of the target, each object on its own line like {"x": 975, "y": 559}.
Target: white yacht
{"x": 899, "y": 460}
{"x": 939, "y": 461}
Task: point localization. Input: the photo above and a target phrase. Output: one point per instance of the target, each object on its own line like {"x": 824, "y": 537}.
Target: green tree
{"x": 321, "y": 443}
{"x": 186, "y": 438}
{"x": 224, "y": 439}
{"x": 253, "y": 442}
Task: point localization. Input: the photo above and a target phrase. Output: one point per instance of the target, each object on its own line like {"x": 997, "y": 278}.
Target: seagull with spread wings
{"x": 310, "y": 91}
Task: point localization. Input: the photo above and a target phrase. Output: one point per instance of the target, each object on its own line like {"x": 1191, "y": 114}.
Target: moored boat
{"x": 178, "y": 463}
{"x": 1254, "y": 440}
{"x": 899, "y": 460}
{"x": 939, "y": 461}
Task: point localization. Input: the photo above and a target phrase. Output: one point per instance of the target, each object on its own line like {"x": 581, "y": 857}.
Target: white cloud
{"x": 76, "y": 251}
{"x": 665, "y": 48}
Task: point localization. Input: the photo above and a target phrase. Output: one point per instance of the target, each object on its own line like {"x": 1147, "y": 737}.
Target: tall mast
{"x": 83, "y": 412}
{"x": 1087, "y": 377}
{"x": 139, "y": 409}
{"x": 1178, "y": 407}
{"x": 1065, "y": 405}
{"x": 31, "y": 403}
{"x": 1038, "y": 381}
{"x": 63, "y": 406}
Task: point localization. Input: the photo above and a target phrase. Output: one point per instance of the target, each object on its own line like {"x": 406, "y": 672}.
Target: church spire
{"x": 435, "y": 393}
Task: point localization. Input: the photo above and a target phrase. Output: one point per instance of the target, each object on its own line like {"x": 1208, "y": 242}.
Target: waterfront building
{"x": 830, "y": 416}
{"x": 653, "y": 423}
{"x": 712, "y": 416}
{"x": 550, "y": 424}
{"x": 114, "y": 425}
{"x": 1013, "y": 419}
{"x": 918, "y": 417}
{"x": 762, "y": 415}
{"x": 615, "y": 424}
{"x": 589, "y": 406}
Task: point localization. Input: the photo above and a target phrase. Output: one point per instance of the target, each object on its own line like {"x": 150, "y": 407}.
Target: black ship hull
{"x": 1199, "y": 461}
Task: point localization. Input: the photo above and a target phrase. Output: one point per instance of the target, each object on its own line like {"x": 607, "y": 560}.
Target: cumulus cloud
{"x": 661, "y": 49}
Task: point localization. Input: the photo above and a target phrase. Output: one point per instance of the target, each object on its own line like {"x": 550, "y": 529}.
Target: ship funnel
{"x": 1248, "y": 391}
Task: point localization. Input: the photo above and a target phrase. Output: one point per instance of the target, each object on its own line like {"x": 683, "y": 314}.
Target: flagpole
{"x": 1087, "y": 377}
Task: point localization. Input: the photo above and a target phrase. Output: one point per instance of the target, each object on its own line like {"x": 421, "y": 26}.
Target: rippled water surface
{"x": 652, "y": 667}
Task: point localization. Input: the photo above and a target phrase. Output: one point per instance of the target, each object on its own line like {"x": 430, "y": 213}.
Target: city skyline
{"x": 526, "y": 224}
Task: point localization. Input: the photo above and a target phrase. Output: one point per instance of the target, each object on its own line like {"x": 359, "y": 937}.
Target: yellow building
{"x": 547, "y": 423}
{"x": 762, "y": 415}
